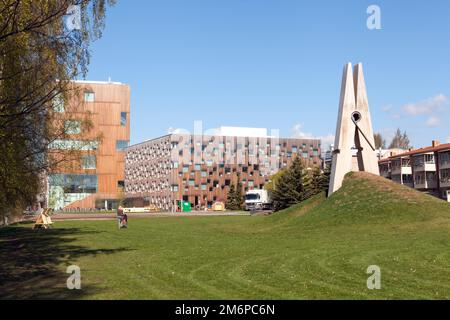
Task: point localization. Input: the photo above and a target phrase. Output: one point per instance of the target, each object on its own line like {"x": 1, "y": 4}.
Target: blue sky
{"x": 277, "y": 64}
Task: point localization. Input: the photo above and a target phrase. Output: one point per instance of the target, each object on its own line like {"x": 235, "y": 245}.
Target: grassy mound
{"x": 318, "y": 249}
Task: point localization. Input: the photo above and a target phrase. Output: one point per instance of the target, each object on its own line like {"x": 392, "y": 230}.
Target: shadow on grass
{"x": 31, "y": 260}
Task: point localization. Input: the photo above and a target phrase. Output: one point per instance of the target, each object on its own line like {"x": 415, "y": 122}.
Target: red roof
{"x": 441, "y": 147}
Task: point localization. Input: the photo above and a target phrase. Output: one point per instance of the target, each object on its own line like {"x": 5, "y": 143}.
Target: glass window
{"x": 175, "y": 188}
{"x": 123, "y": 119}
{"x": 121, "y": 145}
{"x": 175, "y": 164}
{"x": 74, "y": 183}
{"x": 204, "y": 186}
{"x": 197, "y": 167}
{"x": 58, "y": 104}
{"x": 80, "y": 145}
{"x": 72, "y": 127}
{"x": 89, "y": 162}
{"x": 185, "y": 169}
{"x": 191, "y": 183}
{"x": 89, "y": 96}
{"x": 121, "y": 184}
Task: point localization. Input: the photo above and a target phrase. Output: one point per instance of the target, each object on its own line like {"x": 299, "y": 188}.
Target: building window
{"x": 121, "y": 145}
{"x": 89, "y": 162}
{"x": 191, "y": 183}
{"x": 65, "y": 189}
{"x": 204, "y": 187}
{"x": 185, "y": 169}
{"x": 72, "y": 127}
{"x": 89, "y": 96}
{"x": 123, "y": 119}
{"x": 79, "y": 145}
{"x": 429, "y": 158}
{"x": 175, "y": 188}
{"x": 121, "y": 184}
{"x": 58, "y": 104}
{"x": 175, "y": 164}
{"x": 197, "y": 167}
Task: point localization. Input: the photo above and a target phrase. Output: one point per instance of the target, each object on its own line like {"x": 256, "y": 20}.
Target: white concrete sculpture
{"x": 353, "y": 131}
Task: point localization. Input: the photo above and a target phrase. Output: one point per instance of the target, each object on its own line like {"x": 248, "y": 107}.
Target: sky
{"x": 277, "y": 64}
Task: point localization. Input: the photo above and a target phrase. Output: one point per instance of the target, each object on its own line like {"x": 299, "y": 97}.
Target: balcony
{"x": 444, "y": 164}
{"x": 385, "y": 173}
{"x": 425, "y": 184}
{"x": 429, "y": 167}
{"x": 401, "y": 170}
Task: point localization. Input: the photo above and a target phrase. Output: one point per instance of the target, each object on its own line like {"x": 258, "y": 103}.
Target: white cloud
{"x": 432, "y": 105}
{"x": 298, "y": 133}
{"x": 387, "y": 108}
{"x": 448, "y": 139}
{"x": 177, "y": 131}
{"x": 433, "y": 122}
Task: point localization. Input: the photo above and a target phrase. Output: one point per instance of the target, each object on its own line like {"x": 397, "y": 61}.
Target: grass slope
{"x": 319, "y": 249}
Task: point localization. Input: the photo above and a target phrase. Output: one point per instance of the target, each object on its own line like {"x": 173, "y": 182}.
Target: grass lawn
{"x": 320, "y": 249}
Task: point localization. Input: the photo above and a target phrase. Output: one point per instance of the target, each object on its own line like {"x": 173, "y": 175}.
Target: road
{"x": 112, "y": 216}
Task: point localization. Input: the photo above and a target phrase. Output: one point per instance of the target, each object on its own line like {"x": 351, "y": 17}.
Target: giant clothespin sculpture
{"x": 354, "y": 130}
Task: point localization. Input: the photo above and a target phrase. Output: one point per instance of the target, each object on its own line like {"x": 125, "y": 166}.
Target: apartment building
{"x": 426, "y": 169}
{"x": 200, "y": 169}
{"x": 95, "y": 179}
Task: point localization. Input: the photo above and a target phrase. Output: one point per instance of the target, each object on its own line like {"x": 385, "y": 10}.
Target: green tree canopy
{"x": 40, "y": 53}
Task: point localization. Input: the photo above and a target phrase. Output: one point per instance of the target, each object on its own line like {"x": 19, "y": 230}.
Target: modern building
{"x": 426, "y": 169}
{"x": 95, "y": 178}
{"x": 200, "y": 169}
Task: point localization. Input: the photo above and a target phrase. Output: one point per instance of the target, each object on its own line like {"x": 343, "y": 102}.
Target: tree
{"x": 319, "y": 181}
{"x": 239, "y": 197}
{"x": 231, "y": 204}
{"x": 235, "y": 199}
{"x": 380, "y": 143}
{"x": 400, "y": 141}
{"x": 40, "y": 55}
{"x": 292, "y": 187}
{"x": 270, "y": 186}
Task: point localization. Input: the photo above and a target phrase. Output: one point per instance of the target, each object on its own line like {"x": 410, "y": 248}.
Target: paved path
{"x": 112, "y": 216}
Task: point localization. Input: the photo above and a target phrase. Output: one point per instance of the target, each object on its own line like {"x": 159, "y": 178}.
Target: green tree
{"x": 319, "y": 181}
{"x": 39, "y": 56}
{"x": 235, "y": 198}
{"x": 270, "y": 185}
{"x": 292, "y": 187}
{"x": 239, "y": 197}
{"x": 231, "y": 204}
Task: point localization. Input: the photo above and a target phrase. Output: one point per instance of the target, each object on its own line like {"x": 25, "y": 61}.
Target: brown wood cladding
{"x": 155, "y": 171}
{"x": 110, "y": 101}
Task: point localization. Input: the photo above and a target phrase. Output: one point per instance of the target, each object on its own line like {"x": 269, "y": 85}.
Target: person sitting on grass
{"x": 122, "y": 217}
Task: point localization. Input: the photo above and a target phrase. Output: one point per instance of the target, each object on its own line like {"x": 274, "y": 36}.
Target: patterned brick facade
{"x": 200, "y": 169}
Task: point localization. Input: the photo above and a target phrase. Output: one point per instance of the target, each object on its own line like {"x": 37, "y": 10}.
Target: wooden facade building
{"x": 200, "y": 169}
{"x": 95, "y": 179}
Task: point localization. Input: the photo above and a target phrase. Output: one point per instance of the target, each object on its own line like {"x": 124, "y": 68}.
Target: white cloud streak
{"x": 431, "y": 105}
{"x": 298, "y": 133}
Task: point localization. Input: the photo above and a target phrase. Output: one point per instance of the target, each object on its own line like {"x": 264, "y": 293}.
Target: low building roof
{"x": 437, "y": 148}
